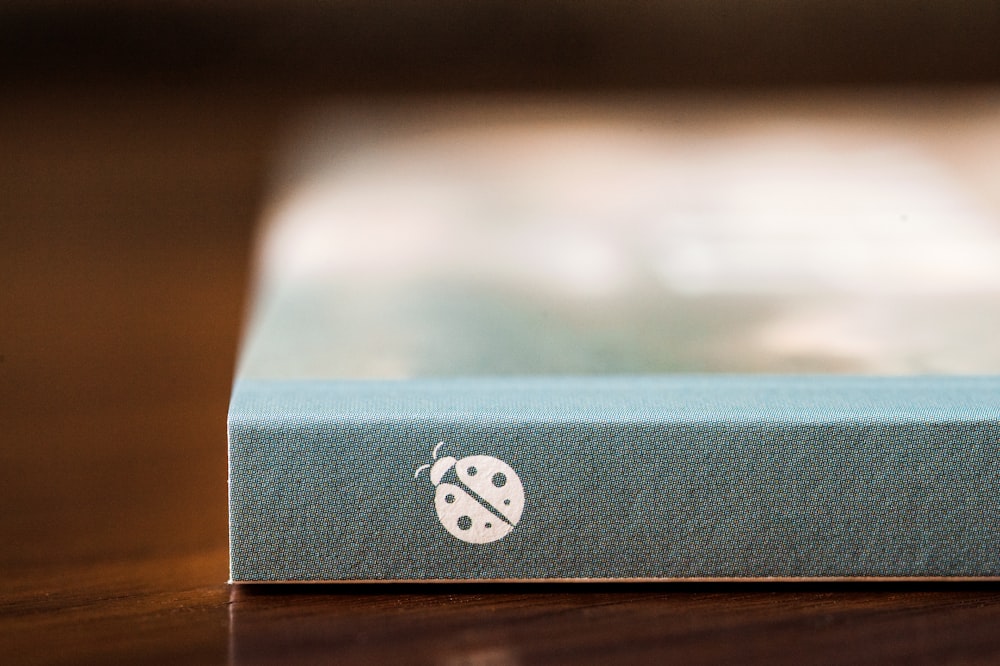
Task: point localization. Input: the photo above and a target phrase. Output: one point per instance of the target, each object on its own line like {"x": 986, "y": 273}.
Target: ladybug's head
{"x": 440, "y": 468}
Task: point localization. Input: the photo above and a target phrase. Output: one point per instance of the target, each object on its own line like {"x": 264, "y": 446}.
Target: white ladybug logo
{"x": 479, "y": 499}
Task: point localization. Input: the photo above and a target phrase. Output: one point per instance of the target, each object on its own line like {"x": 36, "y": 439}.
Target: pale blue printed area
{"x": 470, "y": 327}
{"x": 624, "y": 477}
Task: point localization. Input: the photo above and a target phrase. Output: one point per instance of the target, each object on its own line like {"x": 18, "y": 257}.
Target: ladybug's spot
{"x": 464, "y": 523}
{"x": 506, "y": 501}
{"x": 499, "y": 479}
{"x": 449, "y": 498}
{"x": 489, "y": 525}
{"x": 472, "y": 471}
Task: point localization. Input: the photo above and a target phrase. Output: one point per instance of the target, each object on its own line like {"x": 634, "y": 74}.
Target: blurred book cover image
{"x": 782, "y": 299}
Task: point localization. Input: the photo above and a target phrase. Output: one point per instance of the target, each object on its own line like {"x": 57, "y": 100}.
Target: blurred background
{"x": 453, "y": 44}
{"x": 135, "y": 144}
{"x": 447, "y": 44}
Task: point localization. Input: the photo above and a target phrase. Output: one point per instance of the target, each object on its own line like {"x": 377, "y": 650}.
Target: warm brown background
{"x": 420, "y": 44}
{"x": 134, "y": 140}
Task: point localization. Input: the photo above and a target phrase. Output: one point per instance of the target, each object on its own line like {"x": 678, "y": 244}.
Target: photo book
{"x": 632, "y": 339}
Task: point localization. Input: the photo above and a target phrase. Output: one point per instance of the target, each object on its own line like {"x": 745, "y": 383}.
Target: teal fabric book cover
{"x": 642, "y": 341}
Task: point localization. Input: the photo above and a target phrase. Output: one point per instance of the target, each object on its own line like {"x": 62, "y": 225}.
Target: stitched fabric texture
{"x": 623, "y": 477}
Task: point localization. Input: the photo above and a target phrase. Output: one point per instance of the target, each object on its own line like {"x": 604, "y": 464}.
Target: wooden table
{"x": 125, "y": 223}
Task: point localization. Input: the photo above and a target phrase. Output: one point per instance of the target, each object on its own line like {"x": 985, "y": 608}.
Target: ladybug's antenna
{"x": 435, "y": 451}
{"x": 419, "y": 470}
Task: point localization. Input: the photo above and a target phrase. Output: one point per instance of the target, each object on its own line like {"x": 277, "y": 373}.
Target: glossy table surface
{"x": 125, "y": 227}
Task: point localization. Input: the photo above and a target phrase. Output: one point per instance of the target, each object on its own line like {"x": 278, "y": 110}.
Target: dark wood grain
{"x": 125, "y": 227}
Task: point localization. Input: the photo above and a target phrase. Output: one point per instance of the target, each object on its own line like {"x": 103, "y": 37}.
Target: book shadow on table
{"x": 508, "y": 623}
